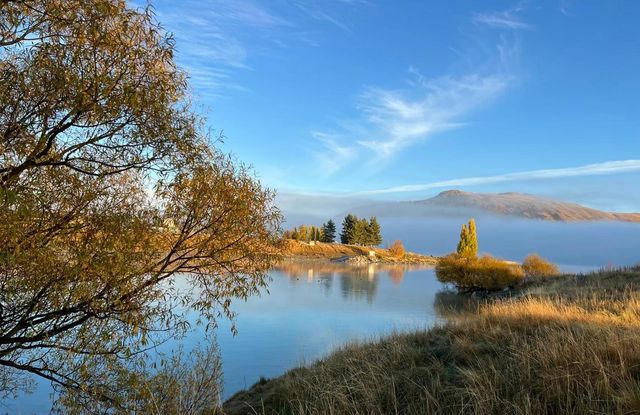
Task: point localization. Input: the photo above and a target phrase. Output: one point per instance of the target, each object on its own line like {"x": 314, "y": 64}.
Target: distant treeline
{"x": 325, "y": 233}
{"x": 355, "y": 231}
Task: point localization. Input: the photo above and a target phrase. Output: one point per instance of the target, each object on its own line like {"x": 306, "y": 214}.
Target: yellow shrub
{"x": 478, "y": 273}
{"x": 397, "y": 249}
{"x": 536, "y": 266}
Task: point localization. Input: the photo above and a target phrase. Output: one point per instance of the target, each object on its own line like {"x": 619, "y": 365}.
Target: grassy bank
{"x": 293, "y": 248}
{"x": 567, "y": 345}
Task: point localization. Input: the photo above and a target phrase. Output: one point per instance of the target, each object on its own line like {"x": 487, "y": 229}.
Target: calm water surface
{"x": 314, "y": 307}
{"x": 310, "y": 308}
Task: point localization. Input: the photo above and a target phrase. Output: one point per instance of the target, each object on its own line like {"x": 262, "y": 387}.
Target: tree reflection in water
{"x": 356, "y": 281}
{"x": 450, "y": 304}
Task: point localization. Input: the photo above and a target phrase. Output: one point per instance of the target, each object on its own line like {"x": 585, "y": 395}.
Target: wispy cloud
{"x": 210, "y": 37}
{"x": 507, "y": 19}
{"x": 318, "y": 11}
{"x": 597, "y": 169}
{"x": 402, "y": 118}
{"x": 333, "y": 155}
{"x": 217, "y": 38}
{"x": 391, "y": 120}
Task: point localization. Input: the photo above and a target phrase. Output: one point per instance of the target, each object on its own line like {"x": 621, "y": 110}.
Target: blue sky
{"x": 403, "y": 99}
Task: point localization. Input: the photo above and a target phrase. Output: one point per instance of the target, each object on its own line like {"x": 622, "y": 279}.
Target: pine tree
{"x": 375, "y": 236}
{"x": 348, "y": 225}
{"x": 361, "y": 232}
{"x": 329, "y": 232}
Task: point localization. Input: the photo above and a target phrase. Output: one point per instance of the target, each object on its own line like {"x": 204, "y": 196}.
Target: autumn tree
{"x": 397, "y": 249}
{"x": 473, "y": 238}
{"x": 468, "y": 244}
{"x": 109, "y": 189}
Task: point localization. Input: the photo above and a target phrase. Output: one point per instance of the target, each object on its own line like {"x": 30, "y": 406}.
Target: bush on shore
{"x": 397, "y": 249}
{"x": 469, "y": 273}
{"x": 536, "y": 266}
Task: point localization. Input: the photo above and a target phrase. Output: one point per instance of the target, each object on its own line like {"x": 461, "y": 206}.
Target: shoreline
{"x": 350, "y": 254}
{"x": 556, "y": 336}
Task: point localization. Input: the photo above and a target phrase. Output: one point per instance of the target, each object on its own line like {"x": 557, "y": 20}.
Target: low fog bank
{"x": 576, "y": 246}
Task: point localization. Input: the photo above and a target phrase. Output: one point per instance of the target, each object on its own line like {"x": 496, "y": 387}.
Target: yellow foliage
{"x": 536, "y": 266}
{"x": 485, "y": 272}
{"x": 397, "y": 249}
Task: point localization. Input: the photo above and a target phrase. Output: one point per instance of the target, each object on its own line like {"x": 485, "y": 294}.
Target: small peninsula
{"x": 338, "y": 252}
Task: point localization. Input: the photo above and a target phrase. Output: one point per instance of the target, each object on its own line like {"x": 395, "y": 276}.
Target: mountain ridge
{"x": 458, "y": 203}
{"x": 523, "y": 205}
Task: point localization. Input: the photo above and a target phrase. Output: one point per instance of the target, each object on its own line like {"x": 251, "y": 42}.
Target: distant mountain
{"x": 456, "y": 202}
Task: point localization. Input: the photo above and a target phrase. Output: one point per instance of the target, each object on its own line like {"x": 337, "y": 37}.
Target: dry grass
{"x": 570, "y": 345}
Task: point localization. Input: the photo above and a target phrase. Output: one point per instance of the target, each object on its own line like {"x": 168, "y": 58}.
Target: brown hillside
{"x": 524, "y": 205}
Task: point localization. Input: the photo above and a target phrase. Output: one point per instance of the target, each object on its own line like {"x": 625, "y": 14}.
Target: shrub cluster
{"x": 536, "y": 266}
{"x": 478, "y": 273}
{"x": 397, "y": 249}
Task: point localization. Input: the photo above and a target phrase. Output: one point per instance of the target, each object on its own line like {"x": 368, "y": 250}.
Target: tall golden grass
{"x": 568, "y": 345}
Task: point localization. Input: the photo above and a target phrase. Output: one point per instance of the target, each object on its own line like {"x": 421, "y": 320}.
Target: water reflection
{"x": 310, "y": 309}
{"x": 447, "y": 303}
{"x": 357, "y": 282}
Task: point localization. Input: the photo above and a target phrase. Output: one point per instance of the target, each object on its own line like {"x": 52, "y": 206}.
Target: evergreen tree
{"x": 361, "y": 232}
{"x": 375, "y": 236}
{"x": 348, "y": 225}
{"x": 329, "y": 232}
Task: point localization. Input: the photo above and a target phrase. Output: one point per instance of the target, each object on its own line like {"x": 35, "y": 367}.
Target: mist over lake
{"x": 575, "y": 246}
{"x": 572, "y": 244}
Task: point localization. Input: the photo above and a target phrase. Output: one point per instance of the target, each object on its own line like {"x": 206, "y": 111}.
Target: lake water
{"x": 310, "y": 309}
{"x": 313, "y": 307}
